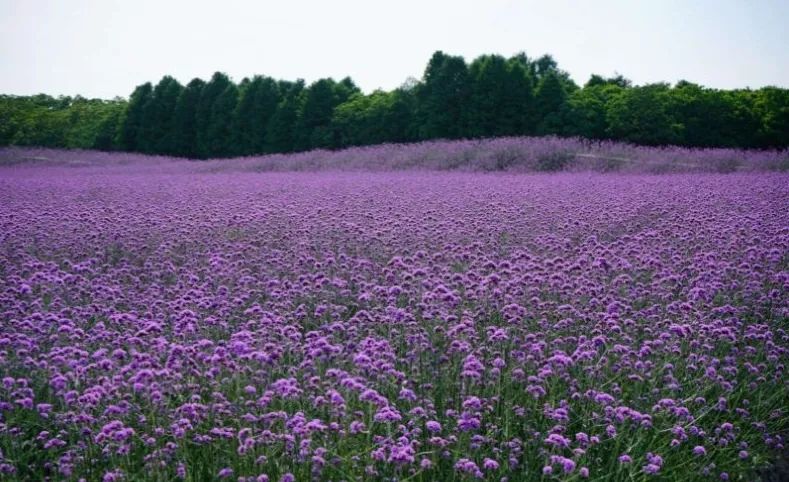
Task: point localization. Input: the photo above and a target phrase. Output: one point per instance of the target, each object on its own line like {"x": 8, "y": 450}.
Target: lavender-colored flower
{"x": 568, "y": 465}
{"x": 387, "y": 414}
{"x": 490, "y": 464}
{"x": 148, "y": 305}
{"x": 557, "y": 441}
{"x": 433, "y": 426}
{"x": 469, "y": 467}
{"x": 651, "y": 469}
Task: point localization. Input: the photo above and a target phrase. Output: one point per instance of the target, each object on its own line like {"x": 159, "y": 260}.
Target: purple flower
{"x": 433, "y": 426}
{"x": 283, "y": 313}
{"x": 387, "y": 414}
{"x": 469, "y": 467}
{"x": 557, "y": 441}
{"x": 567, "y": 465}
{"x": 468, "y": 423}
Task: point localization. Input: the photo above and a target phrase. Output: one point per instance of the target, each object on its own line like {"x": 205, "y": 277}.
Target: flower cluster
{"x": 181, "y": 324}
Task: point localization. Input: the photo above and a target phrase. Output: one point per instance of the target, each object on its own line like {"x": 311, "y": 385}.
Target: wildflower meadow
{"x": 166, "y": 320}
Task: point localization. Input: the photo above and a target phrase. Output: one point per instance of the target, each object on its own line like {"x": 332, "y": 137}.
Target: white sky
{"x": 103, "y": 48}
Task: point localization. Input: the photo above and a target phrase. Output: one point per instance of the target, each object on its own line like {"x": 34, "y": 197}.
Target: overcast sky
{"x": 103, "y": 48}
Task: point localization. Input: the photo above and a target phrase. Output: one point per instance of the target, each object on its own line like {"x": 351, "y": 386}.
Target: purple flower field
{"x": 508, "y": 154}
{"x": 170, "y": 320}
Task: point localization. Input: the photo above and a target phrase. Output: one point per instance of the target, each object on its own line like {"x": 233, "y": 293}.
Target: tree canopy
{"x": 490, "y": 96}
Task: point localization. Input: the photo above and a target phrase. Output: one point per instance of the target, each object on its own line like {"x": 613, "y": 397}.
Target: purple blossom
{"x": 150, "y": 305}
{"x": 433, "y": 426}
{"x": 469, "y": 467}
{"x": 557, "y": 441}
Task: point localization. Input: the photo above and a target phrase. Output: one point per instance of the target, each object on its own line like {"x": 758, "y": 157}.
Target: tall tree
{"x": 550, "y": 99}
{"x": 206, "y": 125}
{"x": 132, "y": 124}
{"x": 373, "y": 119}
{"x": 316, "y": 110}
{"x": 257, "y": 104}
{"x": 644, "y": 115}
{"x": 442, "y": 97}
{"x": 220, "y": 129}
{"x": 772, "y": 106}
{"x": 585, "y": 112}
{"x": 501, "y": 97}
{"x": 281, "y": 128}
{"x": 703, "y": 114}
{"x": 156, "y": 131}
{"x": 184, "y": 126}
{"x": 106, "y": 135}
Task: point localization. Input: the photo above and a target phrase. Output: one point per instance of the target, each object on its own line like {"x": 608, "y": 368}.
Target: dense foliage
{"x": 491, "y": 96}
{"x": 74, "y": 123}
{"x": 171, "y": 320}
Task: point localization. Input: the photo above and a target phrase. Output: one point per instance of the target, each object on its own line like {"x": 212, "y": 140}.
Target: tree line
{"x": 491, "y": 96}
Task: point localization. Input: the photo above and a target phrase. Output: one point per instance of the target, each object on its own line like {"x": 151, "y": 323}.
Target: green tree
{"x": 207, "y": 124}
{"x": 373, "y": 119}
{"x": 133, "y": 122}
{"x": 184, "y": 124}
{"x": 316, "y": 110}
{"x": 501, "y": 98}
{"x": 550, "y": 99}
{"x": 108, "y": 129}
{"x": 703, "y": 113}
{"x": 257, "y": 104}
{"x": 88, "y": 119}
{"x": 598, "y": 80}
{"x": 771, "y": 105}
{"x": 156, "y": 131}
{"x": 43, "y": 121}
{"x": 585, "y": 112}
{"x": 220, "y": 130}
{"x": 490, "y": 97}
{"x": 644, "y": 115}
{"x": 442, "y": 97}
{"x": 281, "y": 128}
